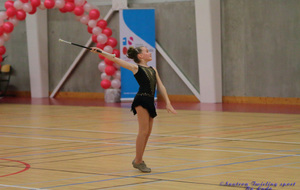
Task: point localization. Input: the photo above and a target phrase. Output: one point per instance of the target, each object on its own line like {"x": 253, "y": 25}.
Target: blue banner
{"x": 137, "y": 28}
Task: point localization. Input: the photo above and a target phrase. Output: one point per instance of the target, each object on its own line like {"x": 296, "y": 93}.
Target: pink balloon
{"x": 8, "y": 27}
{"x": 108, "y": 62}
{"x": 102, "y": 38}
{"x": 79, "y": 2}
{"x": 94, "y": 14}
{"x": 6, "y": 36}
{"x": 59, "y": 4}
{"x": 18, "y": 5}
{"x": 35, "y": 3}
{"x": 78, "y": 11}
{"x": 116, "y": 83}
{"x": 112, "y": 42}
{"x": 116, "y": 52}
{"x": 108, "y": 49}
{"x": 70, "y": 1}
{"x": 102, "y": 23}
{"x": 97, "y": 30}
{"x": 11, "y": 12}
{"x": 84, "y": 19}
{"x": 92, "y": 23}
{"x": 105, "y": 83}
{"x": 101, "y": 66}
{"x": 27, "y": 7}
{"x": 8, "y": 4}
{"x": 14, "y": 21}
{"x": 117, "y": 75}
{"x": 105, "y": 76}
{"x": 49, "y": 4}
{"x": 110, "y": 70}
{"x": 2, "y": 50}
{"x": 21, "y": 15}
{"x": 2, "y": 41}
{"x": 107, "y": 32}
{"x": 24, "y": 1}
{"x": 70, "y": 6}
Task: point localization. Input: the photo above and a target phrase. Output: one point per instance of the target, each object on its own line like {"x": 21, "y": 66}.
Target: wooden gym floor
{"x": 85, "y": 144}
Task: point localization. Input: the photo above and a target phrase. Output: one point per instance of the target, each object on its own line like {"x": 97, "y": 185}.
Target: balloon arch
{"x": 85, "y": 13}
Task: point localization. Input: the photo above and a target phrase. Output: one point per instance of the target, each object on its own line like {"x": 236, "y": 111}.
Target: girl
{"x": 143, "y": 103}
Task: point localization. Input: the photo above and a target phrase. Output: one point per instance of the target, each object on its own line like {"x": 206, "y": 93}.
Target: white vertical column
{"x": 37, "y": 43}
{"x": 208, "y": 26}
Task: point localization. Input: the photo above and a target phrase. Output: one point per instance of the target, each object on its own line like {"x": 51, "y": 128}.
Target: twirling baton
{"x": 100, "y": 51}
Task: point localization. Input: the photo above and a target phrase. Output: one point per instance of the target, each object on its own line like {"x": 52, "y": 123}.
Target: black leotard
{"x": 146, "y": 77}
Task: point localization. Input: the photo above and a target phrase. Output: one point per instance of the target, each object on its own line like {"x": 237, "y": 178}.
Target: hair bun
{"x": 132, "y": 53}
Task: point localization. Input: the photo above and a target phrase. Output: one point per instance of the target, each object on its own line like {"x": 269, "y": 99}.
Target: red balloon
{"x": 101, "y": 46}
{"x": 63, "y": 10}
{"x": 24, "y": 1}
{"x": 107, "y": 32}
{"x": 33, "y": 10}
{"x": 105, "y": 83}
{"x": 1, "y": 30}
{"x": 21, "y": 15}
{"x": 71, "y": 1}
{"x": 70, "y": 6}
{"x": 11, "y": 12}
{"x": 78, "y": 11}
{"x": 90, "y": 30}
{"x": 8, "y": 27}
{"x": 117, "y": 52}
{"x": 2, "y": 50}
{"x": 108, "y": 62}
{"x": 101, "y": 56}
{"x": 94, "y": 38}
{"x": 94, "y": 14}
{"x": 49, "y": 4}
{"x": 8, "y": 4}
{"x": 112, "y": 42}
{"x": 35, "y": 3}
{"x": 125, "y": 50}
{"x": 1, "y": 58}
{"x": 110, "y": 70}
{"x": 102, "y": 23}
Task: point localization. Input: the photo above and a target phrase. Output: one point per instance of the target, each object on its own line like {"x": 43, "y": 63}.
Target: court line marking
{"x": 156, "y": 146}
{"x": 161, "y": 135}
{"x": 27, "y": 166}
{"x": 116, "y": 140}
{"x": 170, "y": 180}
{"x": 251, "y": 140}
{"x": 113, "y": 173}
{"x": 21, "y": 187}
{"x": 196, "y": 168}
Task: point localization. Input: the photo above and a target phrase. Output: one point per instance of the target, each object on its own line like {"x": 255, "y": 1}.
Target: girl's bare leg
{"x": 143, "y": 119}
{"x": 149, "y": 132}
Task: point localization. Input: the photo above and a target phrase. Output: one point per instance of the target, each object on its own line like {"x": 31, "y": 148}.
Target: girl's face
{"x": 145, "y": 54}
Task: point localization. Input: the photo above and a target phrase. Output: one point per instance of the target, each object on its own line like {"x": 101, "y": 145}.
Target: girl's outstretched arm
{"x": 163, "y": 91}
{"x": 122, "y": 63}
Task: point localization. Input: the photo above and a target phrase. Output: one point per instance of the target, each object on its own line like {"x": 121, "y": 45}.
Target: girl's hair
{"x": 132, "y": 53}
